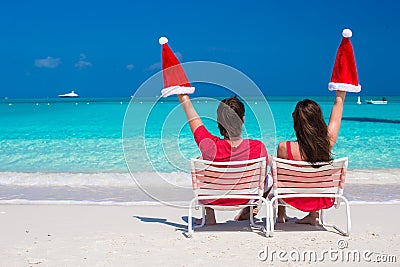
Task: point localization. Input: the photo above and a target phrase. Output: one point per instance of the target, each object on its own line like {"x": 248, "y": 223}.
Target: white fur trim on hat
{"x": 163, "y": 40}
{"x": 344, "y": 87}
{"x": 347, "y": 33}
{"x": 177, "y": 90}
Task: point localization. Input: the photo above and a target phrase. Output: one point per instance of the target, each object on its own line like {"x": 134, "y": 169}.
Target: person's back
{"x": 214, "y": 148}
{"x": 230, "y": 117}
{"x": 314, "y": 144}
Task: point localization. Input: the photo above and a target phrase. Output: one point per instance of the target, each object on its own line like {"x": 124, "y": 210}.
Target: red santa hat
{"x": 344, "y": 75}
{"x": 175, "y": 80}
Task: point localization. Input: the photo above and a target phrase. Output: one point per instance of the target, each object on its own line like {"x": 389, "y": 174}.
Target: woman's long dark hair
{"x": 311, "y": 132}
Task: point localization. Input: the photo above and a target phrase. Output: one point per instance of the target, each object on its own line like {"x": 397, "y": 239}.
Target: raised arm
{"x": 191, "y": 114}
{"x": 336, "y": 117}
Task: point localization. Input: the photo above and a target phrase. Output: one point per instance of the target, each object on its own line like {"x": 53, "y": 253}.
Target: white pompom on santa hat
{"x": 175, "y": 80}
{"x": 344, "y": 74}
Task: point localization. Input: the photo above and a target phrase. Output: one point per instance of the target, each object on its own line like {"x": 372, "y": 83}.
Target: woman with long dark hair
{"x": 314, "y": 143}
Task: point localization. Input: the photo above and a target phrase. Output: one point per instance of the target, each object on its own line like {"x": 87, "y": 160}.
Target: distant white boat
{"x": 359, "y": 100}
{"x": 377, "y": 102}
{"x": 72, "y": 94}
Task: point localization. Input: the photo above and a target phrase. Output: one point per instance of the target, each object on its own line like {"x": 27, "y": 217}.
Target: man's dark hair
{"x": 230, "y": 115}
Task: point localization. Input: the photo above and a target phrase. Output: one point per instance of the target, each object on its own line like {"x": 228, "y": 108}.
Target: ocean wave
{"x": 125, "y": 179}
{"x": 117, "y": 188}
{"x": 100, "y": 179}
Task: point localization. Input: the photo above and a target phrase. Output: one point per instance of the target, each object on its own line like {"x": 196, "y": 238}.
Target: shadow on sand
{"x": 238, "y": 226}
{"x": 177, "y": 226}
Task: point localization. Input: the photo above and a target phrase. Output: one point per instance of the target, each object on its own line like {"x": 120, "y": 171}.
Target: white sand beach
{"x": 150, "y": 235}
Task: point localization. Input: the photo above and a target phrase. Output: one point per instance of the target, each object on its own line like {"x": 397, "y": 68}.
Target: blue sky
{"x": 108, "y": 48}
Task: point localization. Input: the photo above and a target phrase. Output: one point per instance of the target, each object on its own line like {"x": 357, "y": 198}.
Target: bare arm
{"x": 336, "y": 117}
{"x": 191, "y": 114}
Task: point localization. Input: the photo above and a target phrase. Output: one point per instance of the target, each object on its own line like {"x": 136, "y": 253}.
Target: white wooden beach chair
{"x": 233, "y": 180}
{"x": 301, "y": 179}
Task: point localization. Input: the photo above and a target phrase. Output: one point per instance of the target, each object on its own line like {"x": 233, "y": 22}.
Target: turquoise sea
{"x": 81, "y": 142}
{"x": 85, "y": 135}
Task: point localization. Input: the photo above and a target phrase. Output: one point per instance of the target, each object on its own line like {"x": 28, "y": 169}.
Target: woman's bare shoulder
{"x": 282, "y": 152}
{"x": 282, "y": 144}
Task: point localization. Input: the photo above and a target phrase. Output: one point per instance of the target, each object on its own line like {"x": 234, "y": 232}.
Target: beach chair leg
{"x": 348, "y": 219}
{"x": 263, "y": 228}
{"x": 203, "y": 217}
{"x": 267, "y": 229}
{"x": 252, "y": 223}
{"x": 325, "y": 223}
{"x": 190, "y": 229}
{"x": 321, "y": 217}
{"x": 348, "y": 222}
{"x": 272, "y": 216}
{"x": 190, "y": 224}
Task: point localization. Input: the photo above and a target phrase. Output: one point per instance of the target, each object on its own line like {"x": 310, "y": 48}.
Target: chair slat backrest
{"x": 299, "y": 177}
{"x": 228, "y": 178}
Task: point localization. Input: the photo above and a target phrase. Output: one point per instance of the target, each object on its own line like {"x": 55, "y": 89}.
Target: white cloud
{"x": 48, "y": 62}
{"x": 155, "y": 66}
{"x": 82, "y": 63}
{"x": 130, "y": 67}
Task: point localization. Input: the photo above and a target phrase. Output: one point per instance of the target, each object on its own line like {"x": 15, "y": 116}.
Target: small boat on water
{"x": 71, "y": 94}
{"x": 377, "y": 102}
{"x": 359, "y": 100}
